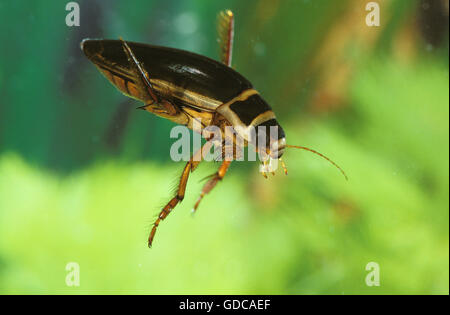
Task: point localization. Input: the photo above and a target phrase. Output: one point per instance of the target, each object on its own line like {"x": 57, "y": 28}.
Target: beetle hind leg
{"x": 147, "y": 93}
{"x": 191, "y": 165}
{"x": 225, "y": 32}
{"x": 172, "y": 203}
{"x": 154, "y": 104}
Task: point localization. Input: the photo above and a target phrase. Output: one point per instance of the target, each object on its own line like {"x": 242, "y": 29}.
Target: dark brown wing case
{"x": 188, "y": 70}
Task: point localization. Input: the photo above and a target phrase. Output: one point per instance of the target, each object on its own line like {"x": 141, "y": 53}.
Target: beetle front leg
{"x": 213, "y": 182}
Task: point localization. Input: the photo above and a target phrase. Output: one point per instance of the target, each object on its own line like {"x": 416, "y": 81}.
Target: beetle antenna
{"x": 319, "y": 154}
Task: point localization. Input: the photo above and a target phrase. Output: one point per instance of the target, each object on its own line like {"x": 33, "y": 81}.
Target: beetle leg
{"x": 163, "y": 108}
{"x": 225, "y": 32}
{"x": 210, "y": 184}
{"x": 191, "y": 165}
{"x": 173, "y": 202}
{"x": 263, "y": 169}
{"x": 167, "y": 110}
{"x": 160, "y": 107}
{"x": 283, "y": 165}
{"x": 143, "y": 79}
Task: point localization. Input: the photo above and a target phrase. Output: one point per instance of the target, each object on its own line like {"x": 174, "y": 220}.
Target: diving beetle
{"x": 185, "y": 87}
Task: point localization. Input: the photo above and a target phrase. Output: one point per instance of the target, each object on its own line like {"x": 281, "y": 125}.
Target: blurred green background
{"x": 83, "y": 174}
